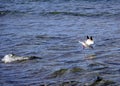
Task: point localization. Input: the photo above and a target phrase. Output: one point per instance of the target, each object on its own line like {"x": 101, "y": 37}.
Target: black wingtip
{"x": 87, "y": 37}
{"x": 91, "y": 38}
{"x": 12, "y": 54}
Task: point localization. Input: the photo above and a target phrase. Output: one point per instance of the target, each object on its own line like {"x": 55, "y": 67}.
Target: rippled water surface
{"x": 50, "y": 30}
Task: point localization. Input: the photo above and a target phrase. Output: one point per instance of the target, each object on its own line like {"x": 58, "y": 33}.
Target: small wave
{"x": 2, "y": 13}
{"x": 49, "y": 37}
{"x": 5, "y": 12}
{"x": 97, "y": 14}
{"x": 70, "y": 13}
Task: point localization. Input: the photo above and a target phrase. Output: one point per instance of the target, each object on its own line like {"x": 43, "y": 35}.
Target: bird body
{"x": 87, "y": 43}
{"x": 11, "y": 58}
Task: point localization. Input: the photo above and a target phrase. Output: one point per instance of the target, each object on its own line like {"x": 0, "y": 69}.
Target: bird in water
{"x": 87, "y": 43}
{"x": 12, "y": 58}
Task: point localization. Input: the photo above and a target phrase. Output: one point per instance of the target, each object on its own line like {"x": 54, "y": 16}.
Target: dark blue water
{"x": 51, "y": 29}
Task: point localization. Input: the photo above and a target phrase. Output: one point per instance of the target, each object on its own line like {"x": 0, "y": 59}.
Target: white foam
{"x": 11, "y": 58}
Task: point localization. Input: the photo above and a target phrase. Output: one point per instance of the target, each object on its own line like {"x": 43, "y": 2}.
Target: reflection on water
{"x": 90, "y": 57}
{"x": 51, "y": 30}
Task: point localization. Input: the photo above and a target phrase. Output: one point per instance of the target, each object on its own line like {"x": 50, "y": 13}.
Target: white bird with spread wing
{"x": 87, "y": 43}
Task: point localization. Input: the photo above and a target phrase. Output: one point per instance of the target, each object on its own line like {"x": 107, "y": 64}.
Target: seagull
{"x": 12, "y": 58}
{"x": 87, "y": 43}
